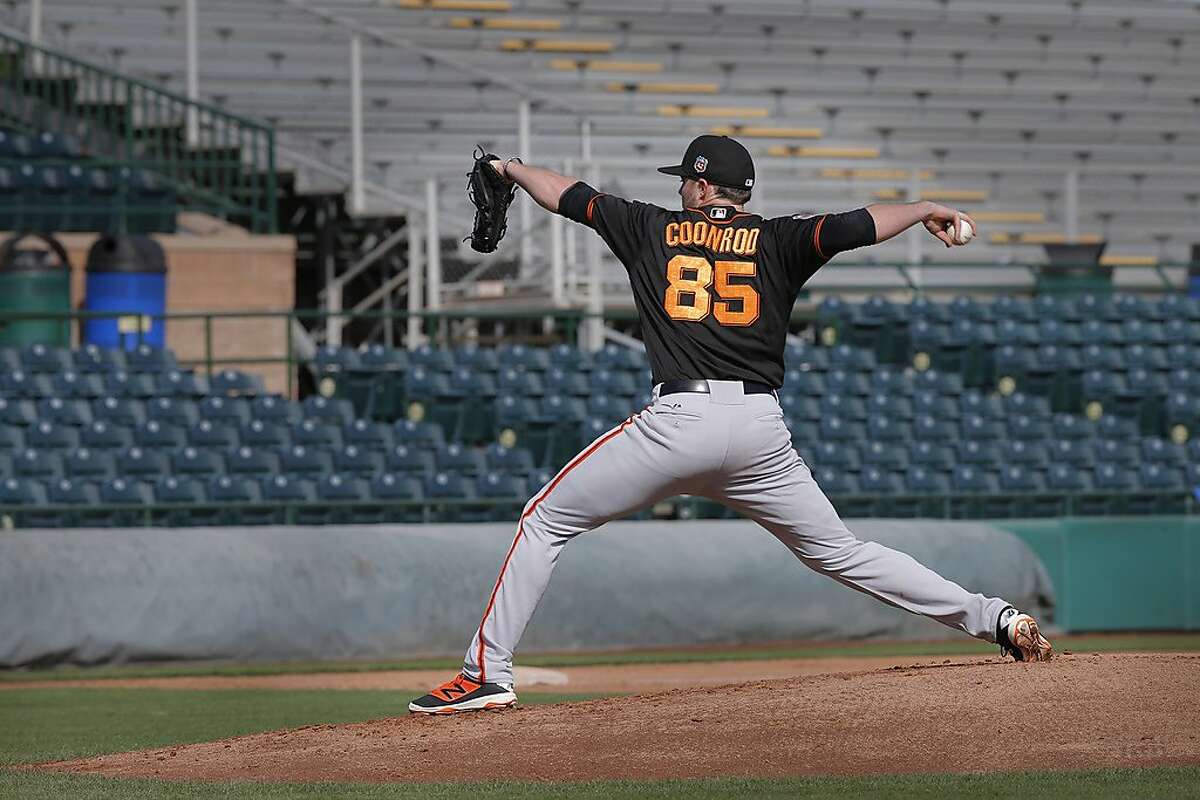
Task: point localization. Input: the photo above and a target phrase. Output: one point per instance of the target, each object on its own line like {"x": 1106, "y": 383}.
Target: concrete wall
{"x": 104, "y": 596}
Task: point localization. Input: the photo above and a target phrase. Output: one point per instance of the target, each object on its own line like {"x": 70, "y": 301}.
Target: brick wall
{"x": 227, "y": 272}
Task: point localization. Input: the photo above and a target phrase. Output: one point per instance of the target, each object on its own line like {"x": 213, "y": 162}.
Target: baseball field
{"x": 1112, "y": 716}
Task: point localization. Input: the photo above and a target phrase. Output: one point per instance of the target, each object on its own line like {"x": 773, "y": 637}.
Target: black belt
{"x": 701, "y": 387}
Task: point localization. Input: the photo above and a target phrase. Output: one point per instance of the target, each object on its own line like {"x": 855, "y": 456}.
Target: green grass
{"x": 51, "y": 724}
{"x": 954, "y": 647}
{"x": 1120, "y": 783}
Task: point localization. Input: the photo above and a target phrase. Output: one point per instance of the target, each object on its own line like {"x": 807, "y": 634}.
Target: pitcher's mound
{"x": 1074, "y": 712}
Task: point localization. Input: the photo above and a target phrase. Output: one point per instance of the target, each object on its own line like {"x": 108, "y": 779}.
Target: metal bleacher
{"x": 1065, "y": 119}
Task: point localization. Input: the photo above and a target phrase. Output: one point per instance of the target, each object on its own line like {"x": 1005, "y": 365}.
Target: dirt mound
{"x": 1077, "y": 711}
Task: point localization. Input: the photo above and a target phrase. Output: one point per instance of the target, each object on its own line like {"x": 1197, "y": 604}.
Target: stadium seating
{"x": 882, "y": 440}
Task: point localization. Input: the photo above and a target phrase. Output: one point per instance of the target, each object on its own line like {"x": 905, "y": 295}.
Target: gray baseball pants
{"x": 730, "y": 447}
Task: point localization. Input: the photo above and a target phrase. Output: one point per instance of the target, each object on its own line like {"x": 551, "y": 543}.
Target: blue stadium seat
{"x": 129, "y": 384}
{"x": 316, "y": 433}
{"x": 976, "y": 402}
{"x": 207, "y": 433}
{"x": 1077, "y": 452}
{"x": 21, "y": 385}
{"x": 512, "y": 380}
{"x": 105, "y": 435}
{"x": 539, "y": 479}
{"x": 936, "y": 405}
{"x": 1136, "y": 330}
{"x": 979, "y": 453}
{"x": 615, "y": 382}
{"x": 1057, "y": 332}
{"x": 836, "y": 482}
{"x": 1147, "y": 357}
{"x": 94, "y": 360}
{"x": 119, "y": 491}
{"x": 221, "y": 410}
{"x": 479, "y": 359}
{"x": 368, "y": 435}
{"x": 1113, "y": 427}
{"x": 981, "y": 429}
{"x": 935, "y": 428}
{"x": 922, "y": 307}
{"x": 392, "y": 486}
{"x": 180, "y": 412}
{"x": 1028, "y": 453}
{"x": 332, "y": 358}
{"x": 172, "y": 489}
{"x": 447, "y": 486}
{"x": 836, "y": 429}
{"x": 837, "y": 455}
{"x": 593, "y": 428}
{"x": 932, "y": 455}
{"x": 49, "y": 435}
{"x": 402, "y": 459}
{"x": 1159, "y": 477}
{"x": 116, "y": 410}
{"x": 194, "y": 461}
{"x": 73, "y": 385}
{"x": 357, "y": 460}
{"x": 846, "y": 407}
{"x": 340, "y": 488}
{"x": 1067, "y": 478}
{"x": 285, "y": 489}
{"x": 300, "y": 460}
{"x": 180, "y": 383}
{"x": 272, "y": 408}
{"x": 1020, "y": 478}
{"x": 1070, "y": 426}
{"x": 846, "y": 383}
{"x": 514, "y": 411}
{"x": 145, "y": 358}
{"x": 455, "y": 458}
{"x": 893, "y": 406}
{"x": 888, "y": 430}
{"x": 971, "y": 478}
{"x": 470, "y": 382}
{"x": 1157, "y": 450}
{"x": 804, "y": 357}
{"x": 569, "y": 357}
{"x": 943, "y": 383}
{"x": 566, "y": 382}
{"x": 67, "y": 492}
{"x": 1117, "y": 451}
{"x": 877, "y": 480}
{"x": 556, "y": 408}
{"x": 513, "y": 460}
{"x": 607, "y": 407}
{"x": 1013, "y": 361}
{"x": 155, "y": 434}
{"x": 1025, "y": 428}
{"x": 501, "y": 486}
{"x": 75, "y": 413}
{"x": 1113, "y": 477}
{"x": 17, "y": 412}
{"x": 425, "y": 383}
{"x": 231, "y": 489}
{"x": 12, "y": 438}
{"x": 852, "y": 359}
{"x": 1181, "y": 331}
{"x": 384, "y": 359}
{"x": 432, "y": 359}
{"x": 927, "y": 480}
{"x": 253, "y": 461}
{"x": 427, "y": 435}
{"x": 1184, "y": 379}
{"x": 890, "y": 455}
{"x": 533, "y": 359}
{"x": 235, "y": 382}
{"x": 1018, "y": 334}
{"x": 801, "y": 406}
{"x": 139, "y": 462}
{"x": 88, "y": 465}
{"x": 39, "y": 359}
{"x": 332, "y": 410}
{"x": 264, "y": 433}
{"x": 803, "y": 382}
{"x": 21, "y": 492}
{"x": 615, "y": 357}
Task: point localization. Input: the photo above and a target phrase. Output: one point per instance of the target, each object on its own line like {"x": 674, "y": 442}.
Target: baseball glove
{"x": 492, "y": 194}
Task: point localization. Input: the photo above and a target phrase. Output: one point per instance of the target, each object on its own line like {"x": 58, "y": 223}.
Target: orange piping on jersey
{"x": 721, "y": 221}
{"x": 579, "y": 459}
{"x": 817, "y": 238}
{"x": 591, "y": 203}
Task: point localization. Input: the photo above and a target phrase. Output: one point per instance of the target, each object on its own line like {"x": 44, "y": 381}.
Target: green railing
{"x": 227, "y": 169}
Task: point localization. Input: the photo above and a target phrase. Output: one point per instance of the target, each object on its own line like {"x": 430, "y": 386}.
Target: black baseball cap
{"x": 719, "y": 160}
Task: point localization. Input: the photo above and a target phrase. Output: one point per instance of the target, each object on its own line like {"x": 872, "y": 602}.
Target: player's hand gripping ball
{"x": 965, "y": 232}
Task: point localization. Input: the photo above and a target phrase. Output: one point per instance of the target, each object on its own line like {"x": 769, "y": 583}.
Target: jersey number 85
{"x": 693, "y": 275}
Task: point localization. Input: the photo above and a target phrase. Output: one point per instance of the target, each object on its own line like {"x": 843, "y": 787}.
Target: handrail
{"x": 148, "y": 514}
{"x": 101, "y": 115}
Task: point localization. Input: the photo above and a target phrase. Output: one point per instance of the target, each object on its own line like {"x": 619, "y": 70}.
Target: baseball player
{"x": 714, "y": 287}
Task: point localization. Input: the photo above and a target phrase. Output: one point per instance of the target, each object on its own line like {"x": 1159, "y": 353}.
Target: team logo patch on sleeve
{"x": 701, "y": 164}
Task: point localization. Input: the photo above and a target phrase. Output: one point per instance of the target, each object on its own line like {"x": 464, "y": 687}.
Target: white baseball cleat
{"x": 1018, "y": 635}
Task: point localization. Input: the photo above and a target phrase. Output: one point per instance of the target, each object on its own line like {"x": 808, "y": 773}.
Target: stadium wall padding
{"x": 115, "y": 595}
{"x": 1120, "y": 573}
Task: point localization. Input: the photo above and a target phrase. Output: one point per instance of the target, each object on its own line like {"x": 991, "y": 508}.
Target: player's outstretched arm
{"x": 545, "y": 186}
{"x": 893, "y": 218}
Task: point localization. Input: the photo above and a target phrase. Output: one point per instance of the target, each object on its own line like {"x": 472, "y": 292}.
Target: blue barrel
{"x": 126, "y": 274}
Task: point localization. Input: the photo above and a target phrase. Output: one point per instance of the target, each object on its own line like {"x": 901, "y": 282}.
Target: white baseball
{"x": 965, "y": 232}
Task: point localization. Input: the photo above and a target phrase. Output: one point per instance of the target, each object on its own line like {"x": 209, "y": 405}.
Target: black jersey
{"x": 714, "y": 287}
